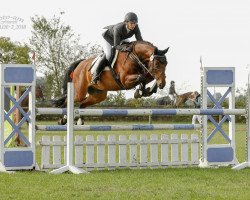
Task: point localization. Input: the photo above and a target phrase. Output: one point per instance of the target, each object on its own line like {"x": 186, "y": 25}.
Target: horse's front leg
{"x": 149, "y": 91}
{"x": 140, "y": 91}
{"x": 133, "y": 80}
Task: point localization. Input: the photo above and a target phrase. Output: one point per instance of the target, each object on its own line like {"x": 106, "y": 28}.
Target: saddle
{"x": 124, "y": 47}
{"x": 127, "y": 47}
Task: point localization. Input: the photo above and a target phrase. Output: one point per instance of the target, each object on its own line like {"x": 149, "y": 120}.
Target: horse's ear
{"x": 165, "y": 50}
{"x": 156, "y": 51}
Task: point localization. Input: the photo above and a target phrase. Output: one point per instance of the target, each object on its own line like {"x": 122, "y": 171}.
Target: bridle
{"x": 147, "y": 69}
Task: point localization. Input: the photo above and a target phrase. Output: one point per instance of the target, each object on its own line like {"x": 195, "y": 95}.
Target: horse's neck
{"x": 143, "y": 50}
{"x": 124, "y": 63}
{"x": 185, "y": 96}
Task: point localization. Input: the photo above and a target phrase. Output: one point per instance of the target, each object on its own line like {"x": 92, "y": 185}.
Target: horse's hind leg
{"x": 93, "y": 98}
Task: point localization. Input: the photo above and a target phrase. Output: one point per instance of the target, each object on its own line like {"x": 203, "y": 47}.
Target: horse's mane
{"x": 143, "y": 42}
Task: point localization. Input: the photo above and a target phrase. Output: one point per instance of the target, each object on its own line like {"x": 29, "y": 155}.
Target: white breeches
{"x": 107, "y": 47}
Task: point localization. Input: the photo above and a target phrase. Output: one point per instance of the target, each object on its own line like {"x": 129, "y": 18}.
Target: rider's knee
{"x": 108, "y": 55}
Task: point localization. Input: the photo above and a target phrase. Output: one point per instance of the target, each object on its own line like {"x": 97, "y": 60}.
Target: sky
{"x": 217, "y": 30}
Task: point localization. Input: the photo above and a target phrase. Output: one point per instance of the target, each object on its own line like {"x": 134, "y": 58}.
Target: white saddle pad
{"x": 94, "y": 66}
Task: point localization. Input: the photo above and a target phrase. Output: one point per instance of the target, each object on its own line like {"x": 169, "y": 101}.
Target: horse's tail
{"x": 68, "y": 77}
{"x": 61, "y": 101}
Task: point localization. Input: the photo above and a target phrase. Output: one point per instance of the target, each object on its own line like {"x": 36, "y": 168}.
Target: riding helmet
{"x": 131, "y": 17}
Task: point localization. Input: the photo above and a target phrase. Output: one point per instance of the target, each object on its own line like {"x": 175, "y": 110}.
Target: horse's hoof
{"x": 137, "y": 94}
{"x": 80, "y": 122}
{"x": 146, "y": 92}
{"x": 154, "y": 90}
{"x": 62, "y": 121}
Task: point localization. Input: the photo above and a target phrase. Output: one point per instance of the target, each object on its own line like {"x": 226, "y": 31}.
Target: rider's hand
{"x": 123, "y": 48}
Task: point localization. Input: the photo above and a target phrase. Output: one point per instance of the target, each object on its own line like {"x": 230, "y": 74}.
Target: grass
{"x": 170, "y": 183}
{"x": 190, "y": 183}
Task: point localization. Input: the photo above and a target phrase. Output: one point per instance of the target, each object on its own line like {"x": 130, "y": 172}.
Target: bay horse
{"x": 25, "y": 104}
{"x": 38, "y": 93}
{"x": 141, "y": 65}
{"x": 181, "y": 99}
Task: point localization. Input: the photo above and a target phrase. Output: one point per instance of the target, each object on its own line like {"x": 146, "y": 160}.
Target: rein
{"x": 135, "y": 58}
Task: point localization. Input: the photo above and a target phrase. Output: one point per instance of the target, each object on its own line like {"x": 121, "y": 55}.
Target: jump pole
{"x": 247, "y": 163}
{"x": 70, "y": 136}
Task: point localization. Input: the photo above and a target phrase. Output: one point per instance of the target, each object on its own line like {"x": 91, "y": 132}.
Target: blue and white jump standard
{"x": 18, "y": 158}
{"x": 211, "y": 153}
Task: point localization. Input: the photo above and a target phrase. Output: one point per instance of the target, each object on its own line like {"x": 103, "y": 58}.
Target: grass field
{"x": 170, "y": 183}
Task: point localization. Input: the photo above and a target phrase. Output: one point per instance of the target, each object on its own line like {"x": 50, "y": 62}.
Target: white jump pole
{"x": 247, "y": 163}
{"x": 70, "y": 136}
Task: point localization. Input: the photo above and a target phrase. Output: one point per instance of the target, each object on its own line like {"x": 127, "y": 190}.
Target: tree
{"x": 117, "y": 99}
{"x": 241, "y": 97}
{"x": 56, "y": 47}
{"x": 13, "y": 52}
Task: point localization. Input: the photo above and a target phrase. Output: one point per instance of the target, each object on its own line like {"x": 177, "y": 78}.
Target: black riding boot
{"x": 100, "y": 66}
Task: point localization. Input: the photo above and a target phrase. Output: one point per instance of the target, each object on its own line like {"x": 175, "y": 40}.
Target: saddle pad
{"x": 94, "y": 66}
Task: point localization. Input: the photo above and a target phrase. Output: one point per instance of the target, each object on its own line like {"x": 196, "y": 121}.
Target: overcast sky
{"x": 217, "y": 30}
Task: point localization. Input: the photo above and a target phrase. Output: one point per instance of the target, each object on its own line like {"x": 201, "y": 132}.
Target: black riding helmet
{"x": 131, "y": 17}
{"x": 172, "y": 82}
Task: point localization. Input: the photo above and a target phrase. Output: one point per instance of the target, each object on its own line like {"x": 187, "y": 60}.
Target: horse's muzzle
{"x": 161, "y": 84}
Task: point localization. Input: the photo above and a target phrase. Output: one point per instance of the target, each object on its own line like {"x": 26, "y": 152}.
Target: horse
{"x": 140, "y": 65}
{"x": 24, "y": 104}
{"x": 38, "y": 93}
{"x": 181, "y": 99}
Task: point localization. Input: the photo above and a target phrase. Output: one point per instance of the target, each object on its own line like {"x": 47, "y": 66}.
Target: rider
{"x": 113, "y": 36}
{"x": 197, "y": 104}
{"x": 172, "y": 93}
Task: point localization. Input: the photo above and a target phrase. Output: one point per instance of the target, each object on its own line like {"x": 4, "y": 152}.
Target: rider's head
{"x": 131, "y": 20}
{"x": 172, "y": 82}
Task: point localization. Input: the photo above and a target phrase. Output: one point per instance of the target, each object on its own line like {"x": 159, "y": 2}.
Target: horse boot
{"x": 100, "y": 66}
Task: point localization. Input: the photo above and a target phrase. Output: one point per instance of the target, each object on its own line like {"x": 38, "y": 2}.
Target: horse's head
{"x": 39, "y": 93}
{"x": 157, "y": 65}
{"x": 151, "y": 60}
{"x": 193, "y": 95}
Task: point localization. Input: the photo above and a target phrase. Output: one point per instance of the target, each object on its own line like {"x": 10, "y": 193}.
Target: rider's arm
{"x": 138, "y": 34}
{"x": 117, "y": 37}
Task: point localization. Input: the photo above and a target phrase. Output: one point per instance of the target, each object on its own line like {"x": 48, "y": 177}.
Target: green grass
{"x": 190, "y": 183}
{"x": 170, "y": 183}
